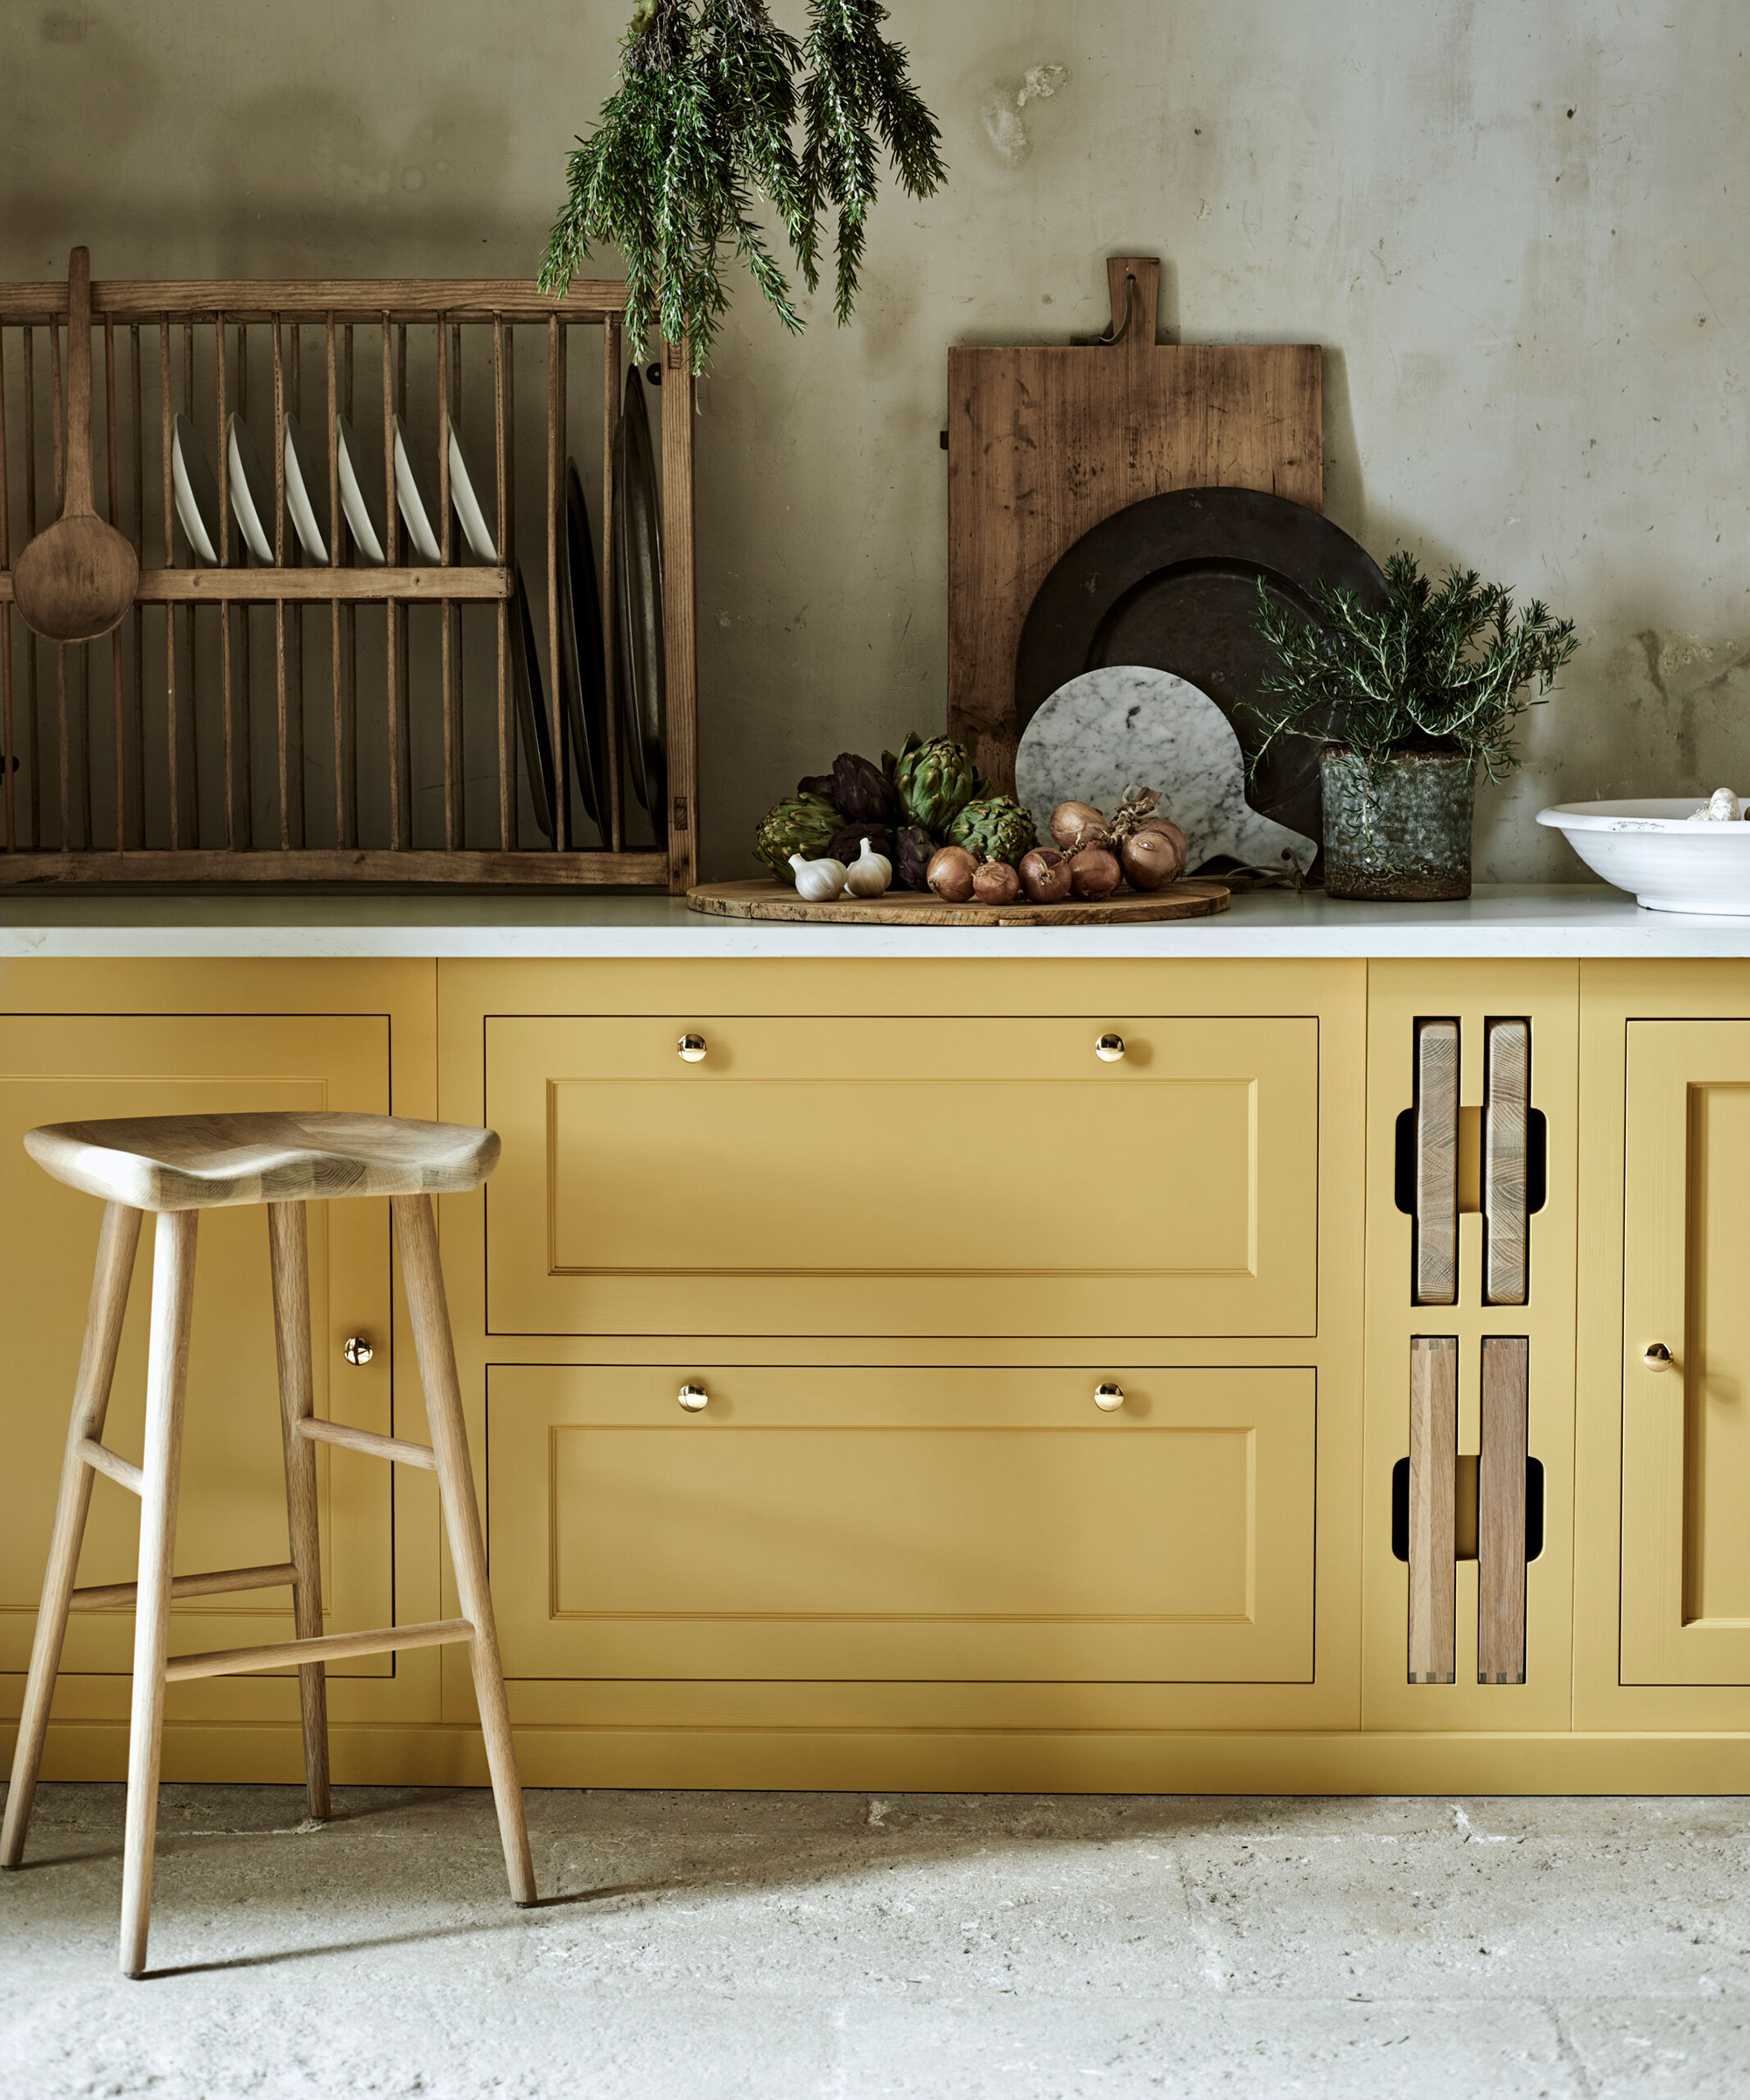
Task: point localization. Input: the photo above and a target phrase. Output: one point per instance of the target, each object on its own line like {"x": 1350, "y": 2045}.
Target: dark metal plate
{"x": 1172, "y": 583}
{"x": 638, "y": 632}
{"x": 580, "y": 635}
{"x": 532, "y": 732}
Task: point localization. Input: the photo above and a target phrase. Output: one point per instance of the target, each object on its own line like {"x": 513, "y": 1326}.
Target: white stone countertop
{"x": 1548, "y": 921}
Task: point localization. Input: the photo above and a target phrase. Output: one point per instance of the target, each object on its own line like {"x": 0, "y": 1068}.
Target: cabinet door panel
{"x": 919, "y": 1176}
{"x": 958, "y": 1526}
{"x": 232, "y": 1508}
{"x": 1686, "y": 1431}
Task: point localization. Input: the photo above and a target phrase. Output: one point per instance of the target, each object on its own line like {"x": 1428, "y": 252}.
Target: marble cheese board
{"x": 919, "y": 908}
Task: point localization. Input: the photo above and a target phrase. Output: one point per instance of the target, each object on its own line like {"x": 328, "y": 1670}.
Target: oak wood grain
{"x": 348, "y": 863}
{"x": 1045, "y": 441}
{"x": 1501, "y": 1510}
{"x": 117, "y": 1239}
{"x": 327, "y": 1648}
{"x": 1506, "y": 1102}
{"x": 289, "y": 1262}
{"x": 216, "y": 1582}
{"x": 166, "y": 1383}
{"x": 1436, "y": 1234}
{"x": 917, "y": 907}
{"x": 1433, "y": 1457}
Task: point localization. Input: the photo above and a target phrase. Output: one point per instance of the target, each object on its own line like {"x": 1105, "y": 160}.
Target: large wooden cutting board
{"x": 1044, "y": 442}
{"x": 914, "y": 907}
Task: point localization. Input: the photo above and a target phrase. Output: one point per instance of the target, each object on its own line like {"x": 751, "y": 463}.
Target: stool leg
{"x": 117, "y": 1242}
{"x": 416, "y": 1235}
{"x": 289, "y": 1251}
{"x": 166, "y": 1378}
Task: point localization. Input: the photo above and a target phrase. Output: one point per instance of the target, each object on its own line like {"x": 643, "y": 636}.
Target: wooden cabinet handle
{"x": 1436, "y": 1233}
{"x": 1506, "y": 1128}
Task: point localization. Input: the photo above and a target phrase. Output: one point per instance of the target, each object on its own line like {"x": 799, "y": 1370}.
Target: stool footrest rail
{"x": 397, "y": 1450}
{"x": 324, "y": 1647}
{"x": 107, "y": 1596}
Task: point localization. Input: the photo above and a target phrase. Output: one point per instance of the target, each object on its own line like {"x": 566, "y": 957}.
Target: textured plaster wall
{"x": 1517, "y": 226}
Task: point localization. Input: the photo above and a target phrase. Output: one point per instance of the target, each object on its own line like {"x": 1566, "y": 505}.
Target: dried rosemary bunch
{"x": 699, "y": 133}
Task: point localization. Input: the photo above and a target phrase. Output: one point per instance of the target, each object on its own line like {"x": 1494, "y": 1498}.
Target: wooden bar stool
{"x": 177, "y": 1166}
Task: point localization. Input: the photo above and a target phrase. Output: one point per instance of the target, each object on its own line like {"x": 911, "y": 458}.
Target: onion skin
{"x": 1095, "y": 872}
{"x": 1074, "y": 823}
{"x": 1150, "y": 860}
{"x": 1045, "y": 875}
{"x": 996, "y": 882}
{"x": 950, "y": 873}
{"x": 1173, "y": 831}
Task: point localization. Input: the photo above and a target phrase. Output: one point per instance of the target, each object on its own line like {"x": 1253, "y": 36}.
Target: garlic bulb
{"x": 818, "y": 881}
{"x": 869, "y": 875}
{"x": 1722, "y": 807}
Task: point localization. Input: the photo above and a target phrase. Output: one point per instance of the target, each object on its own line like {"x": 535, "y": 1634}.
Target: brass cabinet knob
{"x": 693, "y": 1397}
{"x": 1109, "y": 1048}
{"x": 357, "y": 1349}
{"x": 1108, "y": 1397}
{"x": 692, "y": 1049}
{"x": 1658, "y": 1357}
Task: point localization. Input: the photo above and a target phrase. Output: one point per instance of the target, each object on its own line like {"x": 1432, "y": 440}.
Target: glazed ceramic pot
{"x": 1402, "y": 833}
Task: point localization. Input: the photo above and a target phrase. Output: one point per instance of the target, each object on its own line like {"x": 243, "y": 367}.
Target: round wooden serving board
{"x": 919, "y": 908}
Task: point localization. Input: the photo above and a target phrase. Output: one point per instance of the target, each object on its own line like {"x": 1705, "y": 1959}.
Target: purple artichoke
{"x": 862, "y": 794}
{"x": 911, "y": 857}
{"x": 848, "y": 843}
{"x": 816, "y": 783}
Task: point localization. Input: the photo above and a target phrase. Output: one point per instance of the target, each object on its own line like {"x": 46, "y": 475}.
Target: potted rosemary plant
{"x": 1410, "y": 704}
{"x": 699, "y": 136}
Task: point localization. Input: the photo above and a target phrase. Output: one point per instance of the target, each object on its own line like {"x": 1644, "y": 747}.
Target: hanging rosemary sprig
{"x": 699, "y": 132}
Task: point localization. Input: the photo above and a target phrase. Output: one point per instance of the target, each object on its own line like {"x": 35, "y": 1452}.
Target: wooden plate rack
{"x": 380, "y": 698}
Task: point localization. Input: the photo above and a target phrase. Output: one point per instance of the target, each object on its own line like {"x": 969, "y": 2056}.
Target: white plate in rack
{"x": 304, "y": 476}
{"x": 413, "y": 493}
{"x": 252, "y": 489}
{"x": 469, "y": 509}
{"x": 364, "y": 513}
{"x": 196, "y": 489}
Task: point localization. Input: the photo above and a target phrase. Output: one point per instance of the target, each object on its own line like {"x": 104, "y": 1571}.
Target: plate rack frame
{"x": 107, "y": 684}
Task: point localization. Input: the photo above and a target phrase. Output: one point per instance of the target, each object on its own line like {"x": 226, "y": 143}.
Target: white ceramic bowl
{"x": 1647, "y": 847}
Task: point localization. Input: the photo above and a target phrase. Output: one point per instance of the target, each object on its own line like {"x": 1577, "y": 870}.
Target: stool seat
{"x": 162, "y": 1163}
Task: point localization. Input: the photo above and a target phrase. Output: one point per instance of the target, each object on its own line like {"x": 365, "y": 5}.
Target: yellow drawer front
{"x": 947, "y": 1525}
{"x": 903, "y": 1176}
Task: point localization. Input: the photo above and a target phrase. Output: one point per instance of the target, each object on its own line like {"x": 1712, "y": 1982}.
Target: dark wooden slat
{"x": 504, "y": 381}
{"x": 1500, "y": 1510}
{"x": 170, "y": 558}
{"x": 447, "y": 668}
{"x": 1433, "y": 1541}
{"x": 351, "y": 298}
{"x": 112, "y": 478}
{"x": 367, "y": 863}
{"x": 138, "y": 618}
{"x": 31, "y": 528}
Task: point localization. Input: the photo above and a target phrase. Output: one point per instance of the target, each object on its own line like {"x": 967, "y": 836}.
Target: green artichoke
{"x": 935, "y": 780}
{"x": 801, "y": 824}
{"x": 994, "y": 828}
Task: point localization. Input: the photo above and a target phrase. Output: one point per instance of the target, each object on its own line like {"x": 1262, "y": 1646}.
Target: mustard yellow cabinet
{"x": 805, "y": 1527}
{"x": 71, "y": 1059}
{"x": 1102, "y": 1172}
{"x": 1686, "y": 1355}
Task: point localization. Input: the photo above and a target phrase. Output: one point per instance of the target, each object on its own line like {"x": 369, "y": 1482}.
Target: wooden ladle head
{"x": 73, "y": 582}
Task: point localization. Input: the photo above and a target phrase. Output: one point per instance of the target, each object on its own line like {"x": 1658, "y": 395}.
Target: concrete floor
{"x": 706, "y": 1946}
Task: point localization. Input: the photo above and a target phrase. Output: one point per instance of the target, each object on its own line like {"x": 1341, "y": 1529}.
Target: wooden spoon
{"x": 73, "y": 582}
